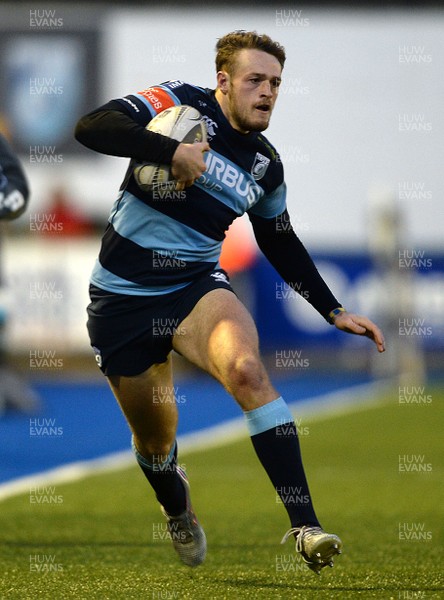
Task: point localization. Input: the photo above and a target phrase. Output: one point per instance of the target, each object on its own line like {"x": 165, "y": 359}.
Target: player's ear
{"x": 223, "y": 81}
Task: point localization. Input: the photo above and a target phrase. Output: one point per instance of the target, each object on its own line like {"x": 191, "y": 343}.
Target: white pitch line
{"x": 359, "y": 397}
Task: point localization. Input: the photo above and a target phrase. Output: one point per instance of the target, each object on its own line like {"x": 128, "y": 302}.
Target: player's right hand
{"x": 188, "y": 163}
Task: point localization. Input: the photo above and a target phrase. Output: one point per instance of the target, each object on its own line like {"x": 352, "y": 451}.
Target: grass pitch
{"x": 105, "y": 538}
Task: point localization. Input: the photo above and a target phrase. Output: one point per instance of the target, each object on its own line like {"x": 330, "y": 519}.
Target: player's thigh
{"x": 218, "y": 326}
{"x": 220, "y": 336}
{"x": 148, "y": 403}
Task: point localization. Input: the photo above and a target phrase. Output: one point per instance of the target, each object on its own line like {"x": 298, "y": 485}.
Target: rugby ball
{"x": 182, "y": 123}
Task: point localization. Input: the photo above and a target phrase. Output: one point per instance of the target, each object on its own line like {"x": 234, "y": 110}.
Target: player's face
{"x": 249, "y": 94}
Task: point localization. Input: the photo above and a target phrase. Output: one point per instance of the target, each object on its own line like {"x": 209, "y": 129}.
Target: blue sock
{"x": 275, "y": 440}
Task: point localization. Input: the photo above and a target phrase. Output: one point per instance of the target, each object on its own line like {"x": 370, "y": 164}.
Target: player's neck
{"x": 223, "y": 103}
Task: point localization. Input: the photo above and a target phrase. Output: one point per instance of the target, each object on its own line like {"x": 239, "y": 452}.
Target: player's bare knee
{"x": 154, "y": 451}
{"x": 246, "y": 373}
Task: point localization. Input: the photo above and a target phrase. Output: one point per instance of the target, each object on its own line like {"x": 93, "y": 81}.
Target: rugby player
{"x": 14, "y": 197}
{"x": 190, "y": 296}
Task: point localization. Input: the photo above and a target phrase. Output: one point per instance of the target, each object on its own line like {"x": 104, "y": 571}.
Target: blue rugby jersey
{"x": 159, "y": 242}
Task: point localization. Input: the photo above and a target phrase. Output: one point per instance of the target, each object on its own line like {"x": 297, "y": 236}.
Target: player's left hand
{"x": 359, "y": 325}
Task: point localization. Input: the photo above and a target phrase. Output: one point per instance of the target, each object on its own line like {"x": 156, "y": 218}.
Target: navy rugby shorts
{"x": 130, "y": 333}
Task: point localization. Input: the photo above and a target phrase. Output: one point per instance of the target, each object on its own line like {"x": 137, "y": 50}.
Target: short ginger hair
{"x": 230, "y": 44}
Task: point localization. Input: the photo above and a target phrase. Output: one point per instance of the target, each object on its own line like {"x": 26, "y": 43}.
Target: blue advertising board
{"x": 410, "y": 297}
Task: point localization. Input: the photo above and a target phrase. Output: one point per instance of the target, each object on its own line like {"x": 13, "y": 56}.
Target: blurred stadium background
{"x": 359, "y": 125}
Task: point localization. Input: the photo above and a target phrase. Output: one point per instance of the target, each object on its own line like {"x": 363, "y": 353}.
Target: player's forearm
{"x": 115, "y": 133}
{"x": 285, "y": 251}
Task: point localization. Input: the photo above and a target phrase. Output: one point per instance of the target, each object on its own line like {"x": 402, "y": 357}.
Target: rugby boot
{"x": 186, "y": 533}
{"x": 316, "y": 547}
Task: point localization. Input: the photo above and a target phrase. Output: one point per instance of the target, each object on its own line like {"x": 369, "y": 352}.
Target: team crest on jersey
{"x": 260, "y": 166}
